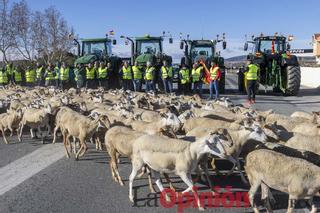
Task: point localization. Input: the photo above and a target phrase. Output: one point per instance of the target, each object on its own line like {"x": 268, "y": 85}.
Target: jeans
{"x": 167, "y": 85}
{"x": 137, "y": 85}
{"x": 64, "y": 84}
{"x": 127, "y": 84}
{"x": 251, "y": 85}
{"x": 103, "y": 83}
{"x": 197, "y": 86}
{"x": 90, "y": 83}
{"x": 150, "y": 86}
{"x": 214, "y": 85}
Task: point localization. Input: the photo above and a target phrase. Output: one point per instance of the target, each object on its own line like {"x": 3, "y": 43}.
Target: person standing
{"x": 166, "y": 76}
{"x": 17, "y": 75}
{"x": 9, "y": 70}
{"x": 126, "y": 76}
{"x": 79, "y": 73}
{"x": 215, "y": 75}
{"x": 251, "y": 74}
{"x": 49, "y": 76}
{"x": 102, "y": 75}
{"x": 184, "y": 76}
{"x": 4, "y": 76}
{"x": 64, "y": 76}
{"x": 90, "y": 76}
{"x": 30, "y": 76}
{"x": 149, "y": 77}
{"x": 197, "y": 76}
{"x": 137, "y": 77}
{"x": 39, "y": 74}
{"x": 57, "y": 74}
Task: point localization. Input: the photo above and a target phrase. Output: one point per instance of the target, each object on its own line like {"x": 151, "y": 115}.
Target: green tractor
{"x": 98, "y": 50}
{"x": 149, "y": 48}
{"x": 196, "y": 50}
{"x": 278, "y": 68}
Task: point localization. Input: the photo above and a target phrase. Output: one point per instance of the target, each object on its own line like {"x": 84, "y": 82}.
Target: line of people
{"x": 97, "y": 74}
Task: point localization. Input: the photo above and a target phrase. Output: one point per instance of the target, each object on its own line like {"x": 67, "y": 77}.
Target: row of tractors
{"x": 278, "y": 68}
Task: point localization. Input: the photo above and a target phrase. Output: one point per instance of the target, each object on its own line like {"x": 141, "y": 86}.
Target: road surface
{"x": 38, "y": 178}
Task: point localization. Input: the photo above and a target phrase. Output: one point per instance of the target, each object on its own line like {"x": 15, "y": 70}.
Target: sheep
{"x": 297, "y": 177}
{"x": 36, "y": 119}
{"x": 308, "y": 143}
{"x": 11, "y": 121}
{"x": 81, "y": 127}
{"x": 309, "y": 129}
{"x": 169, "y": 120}
{"x": 164, "y": 155}
{"x": 314, "y": 117}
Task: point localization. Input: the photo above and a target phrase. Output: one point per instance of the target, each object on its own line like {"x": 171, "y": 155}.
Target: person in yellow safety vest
{"x": 251, "y": 73}
{"x": 197, "y": 75}
{"x": 39, "y": 74}
{"x": 166, "y": 76}
{"x": 126, "y": 76}
{"x": 49, "y": 76}
{"x": 30, "y": 76}
{"x": 137, "y": 77}
{"x": 215, "y": 75}
{"x": 4, "y": 76}
{"x": 57, "y": 74}
{"x": 90, "y": 76}
{"x": 64, "y": 76}
{"x": 17, "y": 76}
{"x": 149, "y": 77}
{"x": 103, "y": 75}
{"x": 184, "y": 75}
{"x": 9, "y": 70}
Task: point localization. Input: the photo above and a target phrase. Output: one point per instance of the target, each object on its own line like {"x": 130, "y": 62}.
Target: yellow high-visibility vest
{"x": 39, "y": 72}
{"x": 196, "y": 74}
{"x": 49, "y": 75}
{"x": 166, "y": 72}
{"x": 3, "y": 77}
{"x": 252, "y": 74}
{"x": 90, "y": 73}
{"x": 126, "y": 73}
{"x": 17, "y": 76}
{"x": 64, "y": 74}
{"x": 137, "y": 74}
{"x": 30, "y": 76}
{"x": 102, "y": 72}
{"x": 214, "y": 72}
{"x": 149, "y": 74}
{"x": 185, "y": 76}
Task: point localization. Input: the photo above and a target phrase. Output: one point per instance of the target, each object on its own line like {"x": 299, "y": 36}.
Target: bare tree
{"x": 6, "y": 35}
{"x": 21, "y": 25}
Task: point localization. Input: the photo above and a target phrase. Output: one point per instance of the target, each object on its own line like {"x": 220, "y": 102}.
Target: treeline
{"x": 33, "y": 35}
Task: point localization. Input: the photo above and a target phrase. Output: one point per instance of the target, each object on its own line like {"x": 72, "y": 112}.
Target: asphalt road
{"x": 38, "y": 178}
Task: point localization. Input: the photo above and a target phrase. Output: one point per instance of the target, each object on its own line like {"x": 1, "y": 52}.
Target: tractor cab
{"x": 201, "y": 50}
{"x": 92, "y": 50}
{"x": 148, "y": 45}
{"x": 270, "y": 44}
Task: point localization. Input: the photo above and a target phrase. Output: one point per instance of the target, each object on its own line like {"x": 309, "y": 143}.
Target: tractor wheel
{"x": 241, "y": 85}
{"x": 293, "y": 80}
{"x": 222, "y": 83}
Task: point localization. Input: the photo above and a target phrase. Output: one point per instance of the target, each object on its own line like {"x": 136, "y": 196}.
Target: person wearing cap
{"x": 251, "y": 74}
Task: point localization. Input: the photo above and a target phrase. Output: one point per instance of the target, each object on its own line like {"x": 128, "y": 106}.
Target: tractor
{"x": 98, "y": 50}
{"x": 197, "y": 50}
{"x": 149, "y": 48}
{"x": 277, "y": 67}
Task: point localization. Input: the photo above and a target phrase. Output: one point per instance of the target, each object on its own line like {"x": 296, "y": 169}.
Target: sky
{"x": 201, "y": 19}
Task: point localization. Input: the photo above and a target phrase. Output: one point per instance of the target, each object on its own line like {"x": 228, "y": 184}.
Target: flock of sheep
{"x": 162, "y": 135}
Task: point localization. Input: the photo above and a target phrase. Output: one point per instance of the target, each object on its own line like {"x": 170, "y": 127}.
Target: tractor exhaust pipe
{"x": 132, "y": 49}
{"x": 76, "y": 42}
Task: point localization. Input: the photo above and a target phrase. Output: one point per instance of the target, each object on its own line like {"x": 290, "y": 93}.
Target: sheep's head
{"x": 213, "y": 145}
{"x": 257, "y": 134}
{"x": 48, "y": 109}
{"x": 316, "y": 117}
{"x": 19, "y": 113}
{"x": 186, "y": 115}
{"x": 170, "y": 119}
{"x": 224, "y": 136}
{"x": 272, "y": 132}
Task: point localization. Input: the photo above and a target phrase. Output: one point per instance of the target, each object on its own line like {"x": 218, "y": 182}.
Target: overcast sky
{"x": 200, "y": 19}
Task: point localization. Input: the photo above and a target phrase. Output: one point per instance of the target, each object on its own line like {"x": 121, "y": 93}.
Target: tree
{"x": 6, "y": 34}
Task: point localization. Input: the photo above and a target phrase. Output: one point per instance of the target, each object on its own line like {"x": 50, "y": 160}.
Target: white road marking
{"x": 22, "y": 169}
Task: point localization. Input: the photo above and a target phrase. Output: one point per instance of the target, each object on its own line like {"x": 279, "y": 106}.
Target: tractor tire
{"x": 222, "y": 83}
{"x": 241, "y": 85}
{"x": 293, "y": 80}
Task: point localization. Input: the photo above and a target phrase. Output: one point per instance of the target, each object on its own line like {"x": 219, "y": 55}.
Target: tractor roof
{"x": 202, "y": 42}
{"x": 282, "y": 38}
{"x": 96, "y": 40}
{"x": 148, "y": 37}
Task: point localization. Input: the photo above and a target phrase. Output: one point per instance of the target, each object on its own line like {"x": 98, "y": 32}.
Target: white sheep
{"x": 164, "y": 155}
{"x": 10, "y": 121}
{"x": 297, "y": 177}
